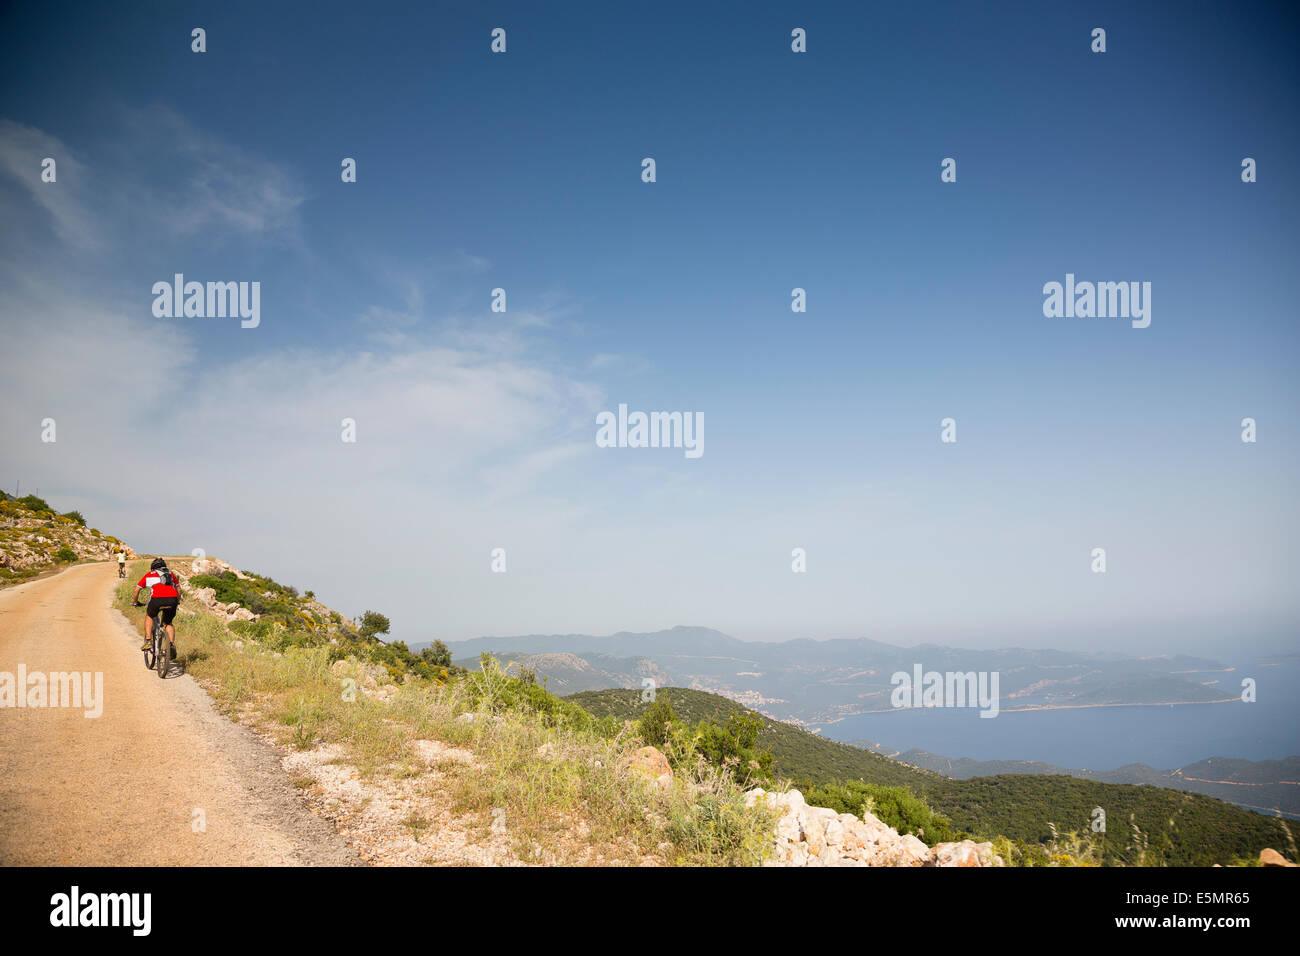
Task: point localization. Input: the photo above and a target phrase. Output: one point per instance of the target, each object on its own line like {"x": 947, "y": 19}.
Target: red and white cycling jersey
{"x": 153, "y": 580}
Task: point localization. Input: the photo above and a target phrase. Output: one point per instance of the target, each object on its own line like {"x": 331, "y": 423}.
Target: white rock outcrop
{"x": 208, "y": 598}
{"x": 819, "y": 836}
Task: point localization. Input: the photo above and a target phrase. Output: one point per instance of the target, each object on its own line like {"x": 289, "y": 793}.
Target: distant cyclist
{"x": 121, "y": 564}
{"x": 162, "y": 605}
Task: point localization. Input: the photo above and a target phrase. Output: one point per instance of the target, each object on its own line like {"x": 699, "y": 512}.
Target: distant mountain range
{"x": 816, "y": 683}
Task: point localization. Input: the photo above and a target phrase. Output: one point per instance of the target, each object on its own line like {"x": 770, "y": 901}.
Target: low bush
{"x": 897, "y": 807}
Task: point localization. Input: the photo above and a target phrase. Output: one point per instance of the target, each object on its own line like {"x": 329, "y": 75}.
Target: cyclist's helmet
{"x": 157, "y": 563}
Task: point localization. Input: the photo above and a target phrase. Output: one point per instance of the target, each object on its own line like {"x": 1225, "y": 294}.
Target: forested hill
{"x": 797, "y": 754}
{"x": 1144, "y": 824}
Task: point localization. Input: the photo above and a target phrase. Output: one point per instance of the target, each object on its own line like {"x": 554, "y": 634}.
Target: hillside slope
{"x": 1269, "y": 786}
{"x": 1145, "y": 824}
{"x": 34, "y": 539}
{"x": 802, "y": 756}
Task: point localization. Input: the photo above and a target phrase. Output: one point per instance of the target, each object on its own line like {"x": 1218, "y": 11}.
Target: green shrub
{"x": 656, "y": 723}
{"x": 733, "y": 746}
{"x": 75, "y": 516}
{"x": 494, "y": 690}
{"x": 897, "y": 807}
{"x": 720, "y": 831}
{"x": 372, "y": 623}
{"x": 251, "y": 593}
{"x": 32, "y": 503}
{"x": 65, "y": 555}
{"x": 436, "y": 655}
{"x": 259, "y": 630}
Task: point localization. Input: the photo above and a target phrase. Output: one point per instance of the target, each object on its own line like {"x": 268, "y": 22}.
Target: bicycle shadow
{"x": 178, "y": 667}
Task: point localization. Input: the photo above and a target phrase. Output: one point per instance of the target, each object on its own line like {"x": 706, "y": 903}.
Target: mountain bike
{"x": 158, "y": 654}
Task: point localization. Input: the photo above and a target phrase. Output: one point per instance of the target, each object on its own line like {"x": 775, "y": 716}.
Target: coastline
{"x": 1022, "y": 710}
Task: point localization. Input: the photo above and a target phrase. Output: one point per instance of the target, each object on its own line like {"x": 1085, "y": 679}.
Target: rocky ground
{"x": 819, "y": 836}
{"x": 30, "y": 543}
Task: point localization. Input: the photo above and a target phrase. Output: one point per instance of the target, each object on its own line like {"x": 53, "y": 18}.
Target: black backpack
{"x": 165, "y": 576}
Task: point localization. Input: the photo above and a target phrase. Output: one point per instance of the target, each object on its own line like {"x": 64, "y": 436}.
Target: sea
{"x": 1105, "y": 738}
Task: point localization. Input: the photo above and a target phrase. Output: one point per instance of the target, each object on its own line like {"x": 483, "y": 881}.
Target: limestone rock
{"x": 819, "y": 836}
{"x": 1269, "y": 857}
{"x": 650, "y": 762}
{"x": 965, "y": 853}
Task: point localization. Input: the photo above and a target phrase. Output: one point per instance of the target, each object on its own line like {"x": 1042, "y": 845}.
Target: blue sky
{"x": 775, "y": 170}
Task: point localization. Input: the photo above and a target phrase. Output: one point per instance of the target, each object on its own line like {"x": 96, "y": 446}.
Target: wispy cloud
{"x": 22, "y": 149}
{"x": 459, "y": 416}
{"x": 202, "y": 184}
{"x": 165, "y": 180}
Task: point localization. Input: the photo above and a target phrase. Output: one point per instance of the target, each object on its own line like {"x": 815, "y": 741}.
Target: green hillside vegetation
{"x": 287, "y": 619}
{"x": 1264, "y": 785}
{"x": 796, "y": 754}
{"x": 1034, "y": 819}
{"x": 558, "y": 773}
{"x": 896, "y": 806}
{"x": 36, "y": 538}
{"x": 1145, "y": 825}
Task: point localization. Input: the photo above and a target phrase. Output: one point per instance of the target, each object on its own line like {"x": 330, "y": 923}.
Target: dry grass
{"x": 552, "y": 794}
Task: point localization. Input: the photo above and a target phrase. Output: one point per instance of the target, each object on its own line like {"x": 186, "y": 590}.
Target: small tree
{"x": 75, "y": 516}
{"x": 33, "y": 503}
{"x": 654, "y": 723}
{"x": 372, "y": 623}
{"x": 734, "y": 747}
{"x": 436, "y": 654}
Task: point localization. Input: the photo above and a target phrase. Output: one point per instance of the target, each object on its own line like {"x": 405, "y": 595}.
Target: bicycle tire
{"x": 161, "y": 655}
{"x": 148, "y": 656}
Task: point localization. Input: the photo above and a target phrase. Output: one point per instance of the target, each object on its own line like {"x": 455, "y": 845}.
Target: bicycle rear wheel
{"x": 149, "y": 656}
{"x": 160, "y": 648}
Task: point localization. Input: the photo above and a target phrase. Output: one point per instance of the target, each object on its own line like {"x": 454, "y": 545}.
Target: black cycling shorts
{"x": 167, "y": 605}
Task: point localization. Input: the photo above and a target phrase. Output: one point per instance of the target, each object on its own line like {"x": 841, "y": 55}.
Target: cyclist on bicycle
{"x": 121, "y": 564}
{"x": 162, "y": 605}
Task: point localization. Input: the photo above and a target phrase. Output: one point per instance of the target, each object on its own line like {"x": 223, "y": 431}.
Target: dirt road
{"x": 158, "y": 778}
